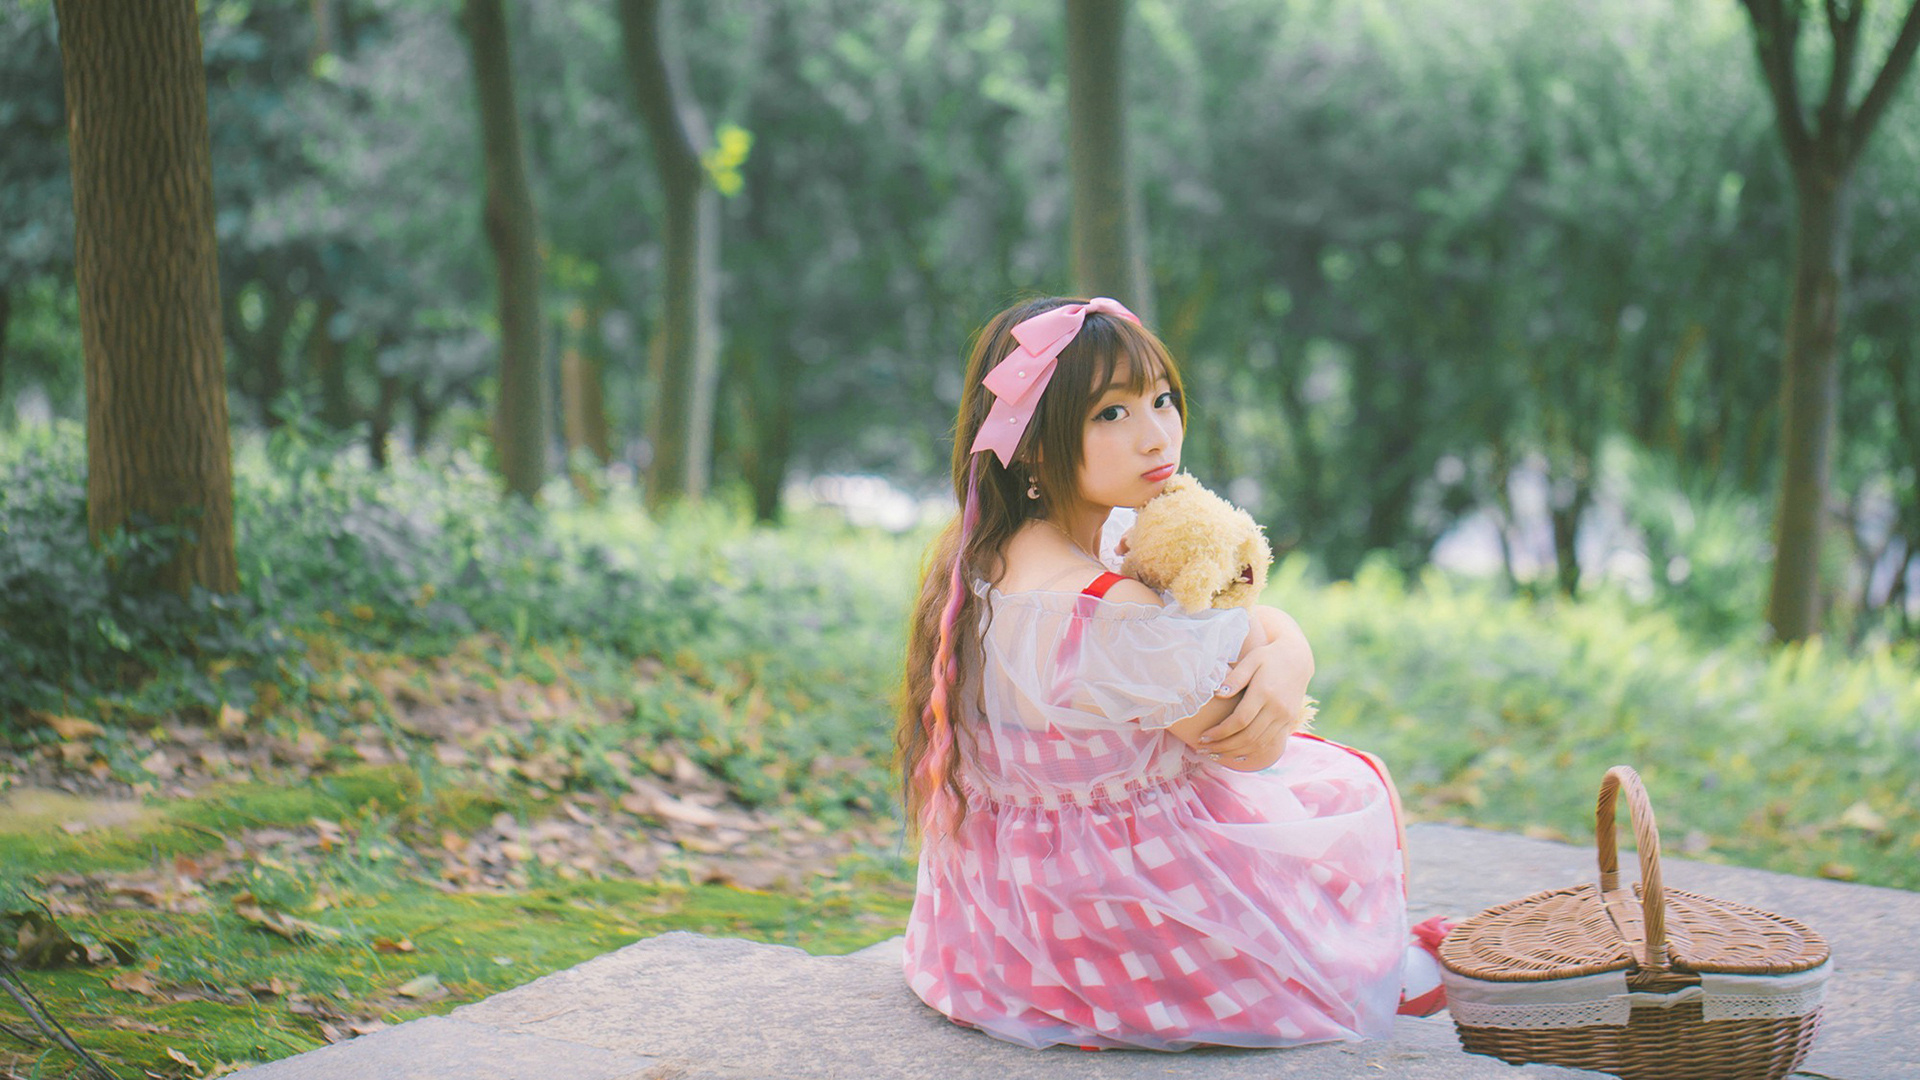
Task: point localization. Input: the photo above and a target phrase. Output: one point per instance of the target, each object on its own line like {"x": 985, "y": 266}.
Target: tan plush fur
{"x": 1197, "y": 545}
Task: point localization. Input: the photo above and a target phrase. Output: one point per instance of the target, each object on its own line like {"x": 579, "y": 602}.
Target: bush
{"x": 79, "y": 621}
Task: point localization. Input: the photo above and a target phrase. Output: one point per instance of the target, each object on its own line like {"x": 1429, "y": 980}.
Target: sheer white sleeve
{"x": 1056, "y": 658}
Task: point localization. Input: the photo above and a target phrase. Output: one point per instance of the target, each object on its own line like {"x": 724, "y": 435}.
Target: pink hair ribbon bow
{"x": 1018, "y": 381}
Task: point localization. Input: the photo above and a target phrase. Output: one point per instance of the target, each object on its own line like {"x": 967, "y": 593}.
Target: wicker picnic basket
{"x": 1646, "y": 983}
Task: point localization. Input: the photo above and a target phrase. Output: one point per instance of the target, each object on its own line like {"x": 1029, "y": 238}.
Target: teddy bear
{"x": 1198, "y": 546}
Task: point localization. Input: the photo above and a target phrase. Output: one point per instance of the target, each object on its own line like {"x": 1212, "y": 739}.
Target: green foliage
{"x": 1704, "y": 542}
{"x": 79, "y": 620}
{"x": 1506, "y": 713}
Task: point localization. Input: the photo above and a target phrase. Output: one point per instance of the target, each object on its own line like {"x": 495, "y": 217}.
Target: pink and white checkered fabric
{"x": 1133, "y": 894}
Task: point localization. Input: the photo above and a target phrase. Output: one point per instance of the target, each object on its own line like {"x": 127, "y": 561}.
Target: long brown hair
{"x": 941, "y": 651}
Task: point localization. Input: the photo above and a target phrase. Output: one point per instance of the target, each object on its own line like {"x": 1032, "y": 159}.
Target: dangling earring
{"x": 1033, "y": 487}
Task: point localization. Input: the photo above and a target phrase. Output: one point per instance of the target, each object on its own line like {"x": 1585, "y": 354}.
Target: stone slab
{"x": 716, "y": 1007}
{"x": 444, "y": 1048}
{"x": 686, "y": 1007}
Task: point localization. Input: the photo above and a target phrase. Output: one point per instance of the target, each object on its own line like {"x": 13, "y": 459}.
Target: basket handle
{"x": 1646, "y": 836}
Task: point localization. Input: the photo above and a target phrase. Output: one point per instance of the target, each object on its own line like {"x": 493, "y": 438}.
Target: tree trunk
{"x": 765, "y": 386}
{"x": 1809, "y": 396}
{"x": 329, "y": 362}
{"x": 259, "y": 355}
{"x": 6, "y": 316}
{"x": 583, "y": 388}
{"x": 380, "y": 426}
{"x": 1109, "y": 255}
{"x": 148, "y": 277}
{"x": 426, "y": 412}
{"x": 1821, "y": 152}
{"x": 582, "y": 400}
{"x": 519, "y": 422}
{"x": 680, "y": 424}
{"x": 1564, "y": 516}
{"x": 326, "y": 29}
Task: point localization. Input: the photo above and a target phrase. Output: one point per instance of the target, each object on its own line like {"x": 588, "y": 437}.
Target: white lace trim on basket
{"x": 1596, "y": 1000}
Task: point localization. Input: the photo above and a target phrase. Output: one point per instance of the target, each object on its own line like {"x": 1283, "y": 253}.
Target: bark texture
{"x": 1109, "y": 253}
{"x": 685, "y": 364}
{"x": 519, "y": 421}
{"x": 148, "y": 279}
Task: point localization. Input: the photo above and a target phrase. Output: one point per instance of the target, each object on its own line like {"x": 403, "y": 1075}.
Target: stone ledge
{"x": 681, "y": 1006}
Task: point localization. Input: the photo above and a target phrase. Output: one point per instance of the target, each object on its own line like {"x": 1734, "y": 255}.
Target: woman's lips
{"x": 1160, "y": 473}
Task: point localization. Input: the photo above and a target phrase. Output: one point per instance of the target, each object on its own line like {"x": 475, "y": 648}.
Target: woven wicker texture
{"x": 1659, "y": 1044}
{"x": 1663, "y": 939}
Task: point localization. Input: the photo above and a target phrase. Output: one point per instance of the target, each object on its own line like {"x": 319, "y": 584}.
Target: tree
{"x": 1109, "y": 256}
{"x": 519, "y": 423}
{"x": 1821, "y": 153}
{"x": 685, "y": 358}
{"x": 148, "y": 278}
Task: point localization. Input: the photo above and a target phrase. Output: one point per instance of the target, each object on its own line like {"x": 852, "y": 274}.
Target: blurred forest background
{"x": 1512, "y": 272}
{"x": 563, "y": 417}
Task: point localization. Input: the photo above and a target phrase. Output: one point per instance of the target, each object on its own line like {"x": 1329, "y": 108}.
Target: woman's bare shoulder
{"x": 1034, "y": 560}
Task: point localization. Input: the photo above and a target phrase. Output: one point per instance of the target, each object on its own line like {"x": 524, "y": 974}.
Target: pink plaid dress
{"x": 1112, "y": 887}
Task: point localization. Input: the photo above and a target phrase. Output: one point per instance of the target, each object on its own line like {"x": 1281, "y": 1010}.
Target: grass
{"x": 222, "y": 990}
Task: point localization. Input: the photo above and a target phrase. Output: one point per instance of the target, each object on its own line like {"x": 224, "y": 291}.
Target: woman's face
{"x": 1130, "y": 444}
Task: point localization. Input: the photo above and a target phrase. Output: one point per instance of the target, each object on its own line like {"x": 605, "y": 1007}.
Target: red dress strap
{"x": 1067, "y": 659}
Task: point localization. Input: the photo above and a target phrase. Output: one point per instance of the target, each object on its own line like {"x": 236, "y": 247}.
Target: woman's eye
{"x": 1164, "y": 401}
{"x": 1111, "y": 412}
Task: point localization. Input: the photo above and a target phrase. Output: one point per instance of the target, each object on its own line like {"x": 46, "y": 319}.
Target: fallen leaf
{"x": 421, "y": 987}
{"x": 273, "y": 987}
{"x": 134, "y": 982}
{"x": 70, "y": 727}
{"x": 287, "y": 926}
{"x": 183, "y": 1059}
{"x": 388, "y": 945}
{"x": 646, "y": 800}
{"x": 1861, "y": 816}
{"x": 1838, "y": 872}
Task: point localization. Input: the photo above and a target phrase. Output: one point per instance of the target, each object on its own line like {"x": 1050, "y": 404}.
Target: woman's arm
{"x": 1248, "y": 730}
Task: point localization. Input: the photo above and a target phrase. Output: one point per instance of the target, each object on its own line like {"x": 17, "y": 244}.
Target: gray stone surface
{"x": 709, "y": 1007}
{"x": 444, "y": 1048}
{"x": 682, "y": 1007}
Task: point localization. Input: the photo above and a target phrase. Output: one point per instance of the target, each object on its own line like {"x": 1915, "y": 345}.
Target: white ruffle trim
{"x": 1604, "y": 1000}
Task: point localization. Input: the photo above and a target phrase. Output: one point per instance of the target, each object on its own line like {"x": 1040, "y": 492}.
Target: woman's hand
{"x": 1275, "y": 677}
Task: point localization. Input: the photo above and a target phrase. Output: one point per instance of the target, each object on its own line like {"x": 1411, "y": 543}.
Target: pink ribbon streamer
{"x": 1018, "y": 381}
